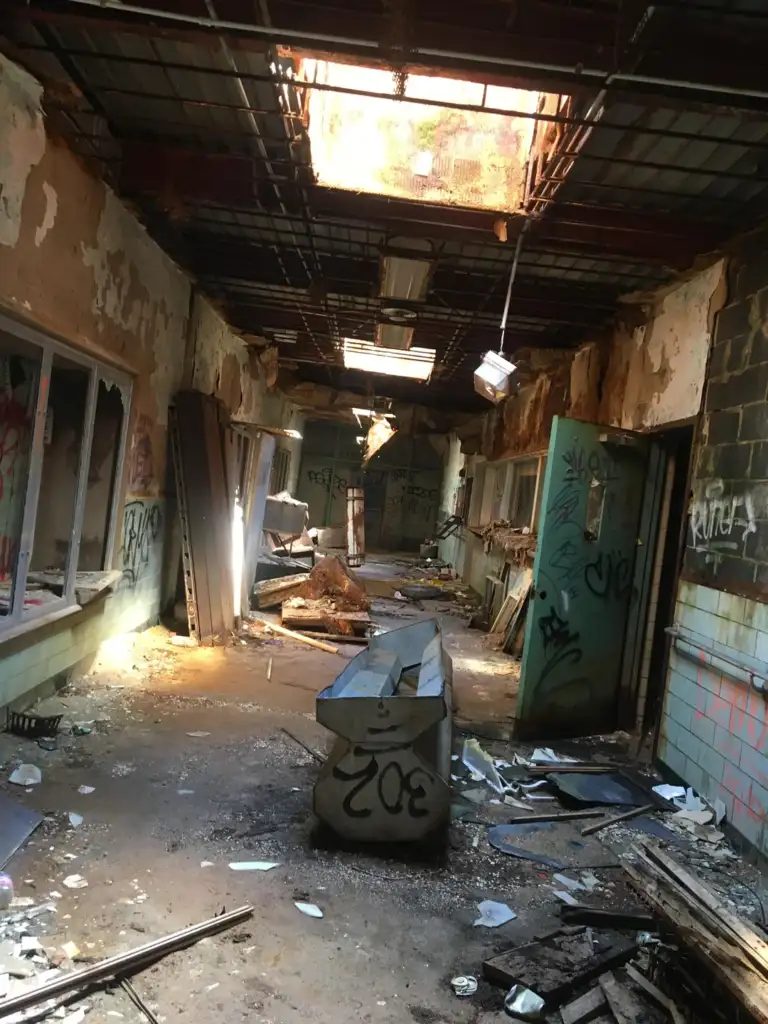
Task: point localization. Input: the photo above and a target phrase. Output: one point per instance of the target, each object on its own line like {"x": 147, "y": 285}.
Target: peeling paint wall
{"x": 656, "y": 371}
{"x": 78, "y": 266}
{"x": 23, "y": 143}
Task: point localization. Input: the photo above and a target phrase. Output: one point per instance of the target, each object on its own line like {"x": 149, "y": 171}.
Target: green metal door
{"x": 584, "y": 587}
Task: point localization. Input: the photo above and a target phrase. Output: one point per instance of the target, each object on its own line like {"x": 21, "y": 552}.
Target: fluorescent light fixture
{"x": 372, "y": 412}
{"x": 364, "y": 355}
{"x": 403, "y": 278}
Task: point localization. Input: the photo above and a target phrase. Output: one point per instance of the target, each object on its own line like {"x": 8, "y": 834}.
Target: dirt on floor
{"x": 192, "y": 769}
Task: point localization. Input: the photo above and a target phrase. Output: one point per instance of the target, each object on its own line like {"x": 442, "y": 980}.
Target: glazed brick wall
{"x": 728, "y": 542}
{"x": 714, "y": 729}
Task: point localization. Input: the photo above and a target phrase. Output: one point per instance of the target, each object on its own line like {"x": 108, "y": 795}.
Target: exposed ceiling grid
{"x": 189, "y": 108}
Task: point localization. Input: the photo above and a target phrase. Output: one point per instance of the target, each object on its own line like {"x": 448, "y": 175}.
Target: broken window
{"x": 278, "y": 477}
{"x": 524, "y": 492}
{"x": 62, "y": 435}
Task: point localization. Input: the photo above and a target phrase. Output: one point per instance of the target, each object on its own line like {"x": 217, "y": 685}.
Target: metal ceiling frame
{"x": 281, "y": 254}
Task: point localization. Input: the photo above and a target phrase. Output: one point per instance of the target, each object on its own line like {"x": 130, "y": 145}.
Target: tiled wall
{"x": 714, "y": 731}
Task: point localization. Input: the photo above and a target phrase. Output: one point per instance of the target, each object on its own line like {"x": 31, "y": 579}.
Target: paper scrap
{"x": 493, "y": 914}
{"x": 310, "y": 909}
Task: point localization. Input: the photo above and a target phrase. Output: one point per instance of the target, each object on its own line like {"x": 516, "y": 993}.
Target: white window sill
{"x": 28, "y": 625}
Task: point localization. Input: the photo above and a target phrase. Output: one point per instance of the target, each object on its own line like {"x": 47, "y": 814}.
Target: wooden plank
{"x": 656, "y": 994}
{"x": 585, "y": 1008}
{"x": 312, "y": 616}
{"x": 701, "y": 934}
{"x": 208, "y": 513}
{"x": 270, "y": 593}
{"x": 623, "y": 1003}
{"x": 522, "y": 588}
{"x": 749, "y": 940}
{"x": 616, "y": 818}
{"x": 501, "y": 622}
{"x": 548, "y": 977}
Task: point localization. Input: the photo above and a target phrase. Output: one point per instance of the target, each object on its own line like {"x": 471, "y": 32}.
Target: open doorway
{"x": 677, "y": 443}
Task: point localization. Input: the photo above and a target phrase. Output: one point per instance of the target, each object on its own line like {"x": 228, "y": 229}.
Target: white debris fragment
{"x": 185, "y": 792}
{"x": 493, "y": 914}
{"x": 254, "y": 865}
{"x": 26, "y": 775}
{"x": 85, "y": 790}
{"x": 590, "y": 880}
{"x": 21, "y": 901}
{"x": 477, "y": 760}
{"x": 198, "y": 735}
{"x": 719, "y": 811}
{"x": 75, "y": 819}
{"x": 546, "y": 755}
{"x": 74, "y": 1018}
{"x": 566, "y": 897}
{"x": 695, "y": 817}
{"x": 310, "y": 909}
{"x": 75, "y": 882}
{"x": 667, "y": 792}
{"x": 70, "y": 950}
{"x": 512, "y": 802}
{"x": 571, "y": 884}
{"x": 206, "y": 863}
{"x": 29, "y": 944}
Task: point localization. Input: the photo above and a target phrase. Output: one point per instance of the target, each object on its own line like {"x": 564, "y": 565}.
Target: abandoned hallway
{"x": 383, "y": 511}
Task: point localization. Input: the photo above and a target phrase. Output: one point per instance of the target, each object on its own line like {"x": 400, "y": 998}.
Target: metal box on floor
{"x": 388, "y": 777}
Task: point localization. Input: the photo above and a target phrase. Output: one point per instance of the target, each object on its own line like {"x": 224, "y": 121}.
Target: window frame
{"x": 17, "y": 620}
{"x": 515, "y": 475}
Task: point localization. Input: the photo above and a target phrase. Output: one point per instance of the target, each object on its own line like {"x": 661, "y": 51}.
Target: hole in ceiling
{"x": 417, "y": 151}
{"x": 364, "y": 355}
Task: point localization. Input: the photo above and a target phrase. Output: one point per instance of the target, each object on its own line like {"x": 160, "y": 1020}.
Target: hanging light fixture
{"x": 493, "y": 377}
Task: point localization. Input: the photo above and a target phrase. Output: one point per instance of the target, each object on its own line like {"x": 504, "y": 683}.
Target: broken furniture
{"x": 284, "y": 521}
{"x": 561, "y": 965}
{"x": 300, "y": 614}
{"x": 726, "y": 946}
{"x": 388, "y": 777}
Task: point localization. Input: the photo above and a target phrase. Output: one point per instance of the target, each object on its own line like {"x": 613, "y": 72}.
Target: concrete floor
{"x": 395, "y": 930}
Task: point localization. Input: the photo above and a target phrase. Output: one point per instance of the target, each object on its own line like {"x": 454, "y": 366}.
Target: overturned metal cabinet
{"x": 388, "y": 776}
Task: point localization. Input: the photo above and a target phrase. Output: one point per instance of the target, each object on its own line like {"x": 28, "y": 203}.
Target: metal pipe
{"x": 711, "y": 651}
{"x": 563, "y": 119}
{"x": 599, "y": 75}
{"x": 512, "y": 275}
{"x": 122, "y": 963}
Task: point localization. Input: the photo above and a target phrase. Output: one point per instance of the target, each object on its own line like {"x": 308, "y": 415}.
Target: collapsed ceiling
{"x": 627, "y": 140}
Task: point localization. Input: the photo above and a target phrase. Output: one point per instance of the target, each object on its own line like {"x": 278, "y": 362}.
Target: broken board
{"x": 270, "y": 593}
{"x": 318, "y": 615}
{"x": 206, "y": 518}
{"x": 557, "y": 969}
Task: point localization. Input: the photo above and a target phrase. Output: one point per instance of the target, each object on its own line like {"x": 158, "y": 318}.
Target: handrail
{"x": 678, "y": 636}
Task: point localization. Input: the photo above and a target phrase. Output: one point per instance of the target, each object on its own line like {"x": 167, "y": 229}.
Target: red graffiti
{"x": 14, "y": 425}
{"x": 9, "y": 550}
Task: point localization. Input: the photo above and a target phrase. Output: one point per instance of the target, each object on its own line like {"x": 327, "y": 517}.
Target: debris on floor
{"x": 563, "y": 910}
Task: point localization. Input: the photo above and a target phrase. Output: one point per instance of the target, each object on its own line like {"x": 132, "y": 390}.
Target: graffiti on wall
{"x": 720, "y": 523}
{"x": 142, "y": 526}
{"x": 325, "y": 477}
{"x": 15, "y": 425}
